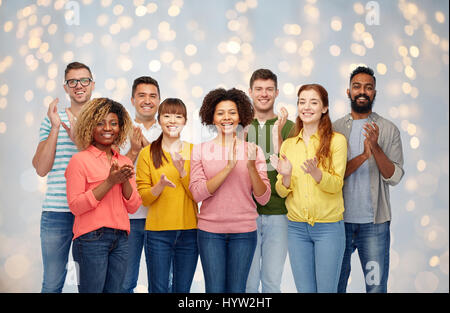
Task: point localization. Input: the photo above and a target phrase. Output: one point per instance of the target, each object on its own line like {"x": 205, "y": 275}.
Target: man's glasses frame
{"x": 85, "y": 81}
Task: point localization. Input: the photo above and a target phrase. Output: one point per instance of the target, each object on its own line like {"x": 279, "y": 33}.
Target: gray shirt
{"x": 357, "y": 201}
{"x": 390, "y": 142}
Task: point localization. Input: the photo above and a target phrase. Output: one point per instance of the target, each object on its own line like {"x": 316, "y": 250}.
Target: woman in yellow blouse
{"x": 162, "y": 176}
{"x": 310, "y": 176}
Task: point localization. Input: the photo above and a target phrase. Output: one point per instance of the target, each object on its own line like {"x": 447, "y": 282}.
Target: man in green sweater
{"x": 268, "y": 131}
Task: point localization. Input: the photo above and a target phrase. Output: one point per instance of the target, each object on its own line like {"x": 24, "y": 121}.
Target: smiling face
{"x": 79, "y": 94}
{"x": 226, "y": 117}
{"x": 310, "y": 107}
{"x": 362, "y": 93}
{"x": 146, "y": 102}
{"x": 172, "y": 124}
{"x": 106, "y": 131}
{"x": 263, "y": 94}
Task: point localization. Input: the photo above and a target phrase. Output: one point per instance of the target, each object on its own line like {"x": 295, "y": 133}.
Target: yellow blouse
{"x": 174, "y": 208}
{"x": 306, "y": 200}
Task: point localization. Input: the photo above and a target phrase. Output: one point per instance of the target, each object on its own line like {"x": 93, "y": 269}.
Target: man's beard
{"x": 362, "y": 108}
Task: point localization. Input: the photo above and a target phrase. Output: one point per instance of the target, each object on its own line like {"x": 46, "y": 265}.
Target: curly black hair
{"x": 365, "y": 70}
{"x": 214, "y": 97}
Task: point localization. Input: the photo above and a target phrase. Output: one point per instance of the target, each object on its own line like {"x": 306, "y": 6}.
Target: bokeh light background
{"x": 193, "y": 46}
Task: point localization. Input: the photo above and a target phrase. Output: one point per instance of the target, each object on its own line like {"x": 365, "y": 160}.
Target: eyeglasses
{"x": 72, "y": 83}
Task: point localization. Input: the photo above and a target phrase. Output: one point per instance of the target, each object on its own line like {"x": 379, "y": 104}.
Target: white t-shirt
{"x": 150, "y": 134}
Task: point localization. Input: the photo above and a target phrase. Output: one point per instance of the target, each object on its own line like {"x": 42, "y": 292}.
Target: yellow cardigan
{"x": 174, "y": 208}
{"x": 306, "y": 200}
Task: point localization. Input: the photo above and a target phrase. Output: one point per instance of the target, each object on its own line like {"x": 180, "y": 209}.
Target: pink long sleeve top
{"x": 231, "y": 208}
{"x": 86, "y": 170}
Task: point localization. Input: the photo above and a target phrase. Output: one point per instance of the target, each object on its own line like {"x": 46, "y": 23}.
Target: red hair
{"x": 325, "y": 131}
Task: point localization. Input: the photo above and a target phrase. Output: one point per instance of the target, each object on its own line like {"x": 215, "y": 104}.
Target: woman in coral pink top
{"x": 101, "y": 191}
{"x": 226, "y": 173}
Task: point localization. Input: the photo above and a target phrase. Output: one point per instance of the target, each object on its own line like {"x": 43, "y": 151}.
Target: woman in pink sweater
{"x": 227, "y": 174}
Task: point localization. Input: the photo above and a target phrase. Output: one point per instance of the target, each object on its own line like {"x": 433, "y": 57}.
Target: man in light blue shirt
{"x": 54, "y": 151}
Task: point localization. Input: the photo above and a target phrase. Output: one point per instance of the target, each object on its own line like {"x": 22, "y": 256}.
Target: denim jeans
{"x": 101, "y": 256}
{"x": 171, "y": 249}
{"x": 226, "y": 260}
{"x": 56, "y": 238}
{"x": 316, "y": 253}
{"x": 270, "y": 254}
{"x": 136, "y": 240}
{"x": 373, "y": 243}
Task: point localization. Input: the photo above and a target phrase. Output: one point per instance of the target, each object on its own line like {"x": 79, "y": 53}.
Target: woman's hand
{"x": 310, "y": 167}
{"x": 178, "y": 162}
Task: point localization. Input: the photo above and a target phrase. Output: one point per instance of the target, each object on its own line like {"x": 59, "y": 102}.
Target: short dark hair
{"x": 76, "y": 66}
{"x": 263, "y": 74}
{"x": 364, "y": 70}
{"x": 144, "y": 80}
{"x": 214, "y": 97}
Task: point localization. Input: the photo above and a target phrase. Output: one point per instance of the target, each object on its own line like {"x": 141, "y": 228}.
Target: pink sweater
{"x": 231, "y": 209}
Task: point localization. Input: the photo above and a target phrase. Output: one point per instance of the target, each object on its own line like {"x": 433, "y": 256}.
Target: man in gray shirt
{"x": 375, "y": 162}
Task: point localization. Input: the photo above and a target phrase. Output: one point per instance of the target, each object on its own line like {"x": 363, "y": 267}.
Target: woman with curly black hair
{"x": 101, "y": 191}
{"x": 225, "y": 173}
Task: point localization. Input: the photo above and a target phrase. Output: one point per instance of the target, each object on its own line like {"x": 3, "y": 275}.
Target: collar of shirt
{"x": 300, "y": 136}
{"x": 97, "y": 152}
{"x": 373, "y": 117}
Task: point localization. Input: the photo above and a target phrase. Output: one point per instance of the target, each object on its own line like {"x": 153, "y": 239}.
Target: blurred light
{"x": 140, "y": 10}
{"x": 197, "y": 91}
{"x": 2, "y": 127}
{"x": 195, "y": 68}
{"x": 3, "y": 103}
{"x": 440, "y": 17}
{"x": 29, "y": 119}
{"x": 118, "y": 9}
{"x": 358, "y": 8}
{"x": 434, "y": 261}
{"x": 410, "y": 72}
{"x": 29, "y": 95}
{"x": 290, "y": 46}
{"x": 173, "y": 11}
{"x": 152, "y": 7}
{"x": 289, "y": 89}
{"x": 152, "y": 44}
{"x": 425, "y": 220}
{"x": 411, "y": 129}
{"x": 381, "y": 68}
{"x": 410, "y": 205}
{"x": 190, "y": 50}
{"x": 154, "y": 66}
{"x": 336, "y": 24}
{"x": 335, "y": 50}
{"x": 241, "y": 7}
{"x": 233, "y": 46}
{"x": 414, "y": 142}
{"x": 8, "y": 26}
{"x": 414, "y": 51}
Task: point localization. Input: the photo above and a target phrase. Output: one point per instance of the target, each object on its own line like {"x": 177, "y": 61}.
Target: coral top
{"x": 86, "y": 170}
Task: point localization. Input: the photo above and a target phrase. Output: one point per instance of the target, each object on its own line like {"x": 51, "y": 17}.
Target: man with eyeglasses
{"x": 56, "y": 147}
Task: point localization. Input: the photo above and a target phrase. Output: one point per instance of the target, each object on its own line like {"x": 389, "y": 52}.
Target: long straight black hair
{"x": 170, "y": 106}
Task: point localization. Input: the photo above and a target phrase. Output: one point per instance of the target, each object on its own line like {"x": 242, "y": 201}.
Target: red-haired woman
{"x": 310, "y": 176}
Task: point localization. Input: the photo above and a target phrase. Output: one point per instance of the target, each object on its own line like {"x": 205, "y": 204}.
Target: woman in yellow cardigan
{"x": 310, "y": 176}
{"x": 162, "y": 176}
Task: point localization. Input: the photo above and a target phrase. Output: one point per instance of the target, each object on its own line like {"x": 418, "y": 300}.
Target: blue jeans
{"x": 270, "y": 254}
{"x": 316, "y": 254}
{"x": 226, "y": 260}
{"x": 136, "y": 240}
{"x": 174, "y": 250}
{"x": 102, "y": 259}
{"x": 373, "y": 243}
{"x": 56, "y": 238}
